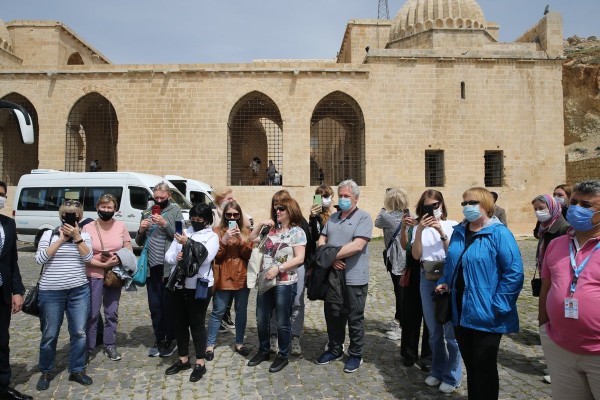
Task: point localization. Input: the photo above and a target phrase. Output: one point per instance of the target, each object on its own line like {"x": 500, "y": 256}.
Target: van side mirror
{"x": 24, "y": 121}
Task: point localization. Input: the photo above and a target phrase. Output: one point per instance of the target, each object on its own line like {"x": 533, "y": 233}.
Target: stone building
{"x": 428, "y": 99}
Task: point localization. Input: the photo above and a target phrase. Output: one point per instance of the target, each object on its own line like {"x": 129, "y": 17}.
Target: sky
{"x": 234, "y": 31}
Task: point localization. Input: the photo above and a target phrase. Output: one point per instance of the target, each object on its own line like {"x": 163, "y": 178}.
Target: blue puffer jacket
{"x": 493, "y": 273}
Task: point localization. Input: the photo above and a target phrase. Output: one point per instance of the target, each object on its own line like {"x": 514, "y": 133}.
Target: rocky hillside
{"x": 581, "y": 86}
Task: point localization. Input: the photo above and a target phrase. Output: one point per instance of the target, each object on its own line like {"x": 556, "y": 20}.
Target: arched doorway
{"x": 255, "y": 138}
{"x": 92, "y": 135}
{"x": 337, "y": 141}
{"x": 17, "y": 158}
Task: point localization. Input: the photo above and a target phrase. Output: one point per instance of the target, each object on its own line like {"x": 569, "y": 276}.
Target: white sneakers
{"x": 444, "y": 387}
{"x": 395, "y": 334}
{"x": 431, "y": 381}
{"x": 391, "y": 326}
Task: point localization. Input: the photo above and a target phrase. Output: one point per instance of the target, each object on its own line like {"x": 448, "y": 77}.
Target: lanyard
{"x": 577, "y": 269}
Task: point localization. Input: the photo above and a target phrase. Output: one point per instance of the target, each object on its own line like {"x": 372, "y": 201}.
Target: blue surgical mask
{"x": 580, "y": 218}
{"x": 472, "y": 213}
{"x": 344, "y": 204}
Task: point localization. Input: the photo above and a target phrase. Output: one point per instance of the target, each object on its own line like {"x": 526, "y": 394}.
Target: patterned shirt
{"x": 279, "y": 248}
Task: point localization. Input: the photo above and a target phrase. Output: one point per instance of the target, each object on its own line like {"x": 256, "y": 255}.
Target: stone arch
{"x": 429, "y": 25}
{"x": 468, "y": 24}
{"x": 449, "y": 23}
{"x": 337, "y": 140}
{"x": 439, "y": 23}
{"x": 75, "y": 59}
{"x": 17, "y": 158}
{"x": 92, "y": 133}
{"x": 255, "y": 138}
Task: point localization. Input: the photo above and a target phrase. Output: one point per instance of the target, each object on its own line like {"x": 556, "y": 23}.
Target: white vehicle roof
{"x": 191, "y": 184}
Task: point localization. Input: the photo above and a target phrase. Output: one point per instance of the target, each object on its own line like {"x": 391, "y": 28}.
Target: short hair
{"x": 162, "y": 186}
{"x": 203, "y": 211}
{"x": 485, "y": 198}
{"x": 293, "y": 210}
{"x": 587, "y": 187}
{"x": 431, "y": 194}
{"x": 70, "y": 206}
{"x": 395, "y": 199}
{"x": 567, "y": 188}
{"x": 495, "y": 196}
{"x": 3, "y": 184}
{"x": 324, "y": 190}
{"x": 106, "y": 198}
{"x": 350, "y": 184}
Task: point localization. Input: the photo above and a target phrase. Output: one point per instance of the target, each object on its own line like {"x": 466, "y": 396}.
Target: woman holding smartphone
{"x": 232, "y": 267}
{"x": 108, "y": 236}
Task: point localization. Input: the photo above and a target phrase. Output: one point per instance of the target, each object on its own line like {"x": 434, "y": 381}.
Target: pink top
{"x": 112, "y": 239}
{"x": 582, "y": 335}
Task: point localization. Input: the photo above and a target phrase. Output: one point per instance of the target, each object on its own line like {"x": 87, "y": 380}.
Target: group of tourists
{"x": 473, "y": 267}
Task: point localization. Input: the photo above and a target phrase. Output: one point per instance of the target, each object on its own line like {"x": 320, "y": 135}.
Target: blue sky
{"x": 200, "y": 31}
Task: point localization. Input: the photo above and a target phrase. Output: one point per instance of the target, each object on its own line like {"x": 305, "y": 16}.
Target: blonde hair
{"x": 163, "y": 187}
{"x": 485, "y": 198}
{"x": 107, "y": 198}
{"x": 395, "y": 199}
{"x": 70, "y": 206}
{"x": 219, "y": 195}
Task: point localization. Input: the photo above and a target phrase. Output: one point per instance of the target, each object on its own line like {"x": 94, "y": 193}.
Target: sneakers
{"x": 44, "y": 382}
{"x": 154, "y": 351}
{"x": 431, "y": 381}
{"x": 395, "y": 334}
{"x": 274, "y": 346}
{"x": 227, "y": 322}
{"x": 327, "y": 357}
{"x": 81, "y": 378}
{"x": 296, "y": 348}
{"x": 353, "y": 363}
{"x": 112, "y": 353}
{"x": 278, "y": 364}
{"x": 168, "y": 347}
{"x": 391, "y": 326}
{"x": 547, "y": 379}
{"x": 446, "y": 388}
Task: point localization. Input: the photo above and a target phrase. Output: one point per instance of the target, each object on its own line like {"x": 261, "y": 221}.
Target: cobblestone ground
{"x": 382, "y": 375}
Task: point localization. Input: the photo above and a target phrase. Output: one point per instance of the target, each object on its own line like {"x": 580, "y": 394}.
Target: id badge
{"x": 571, "y": 308}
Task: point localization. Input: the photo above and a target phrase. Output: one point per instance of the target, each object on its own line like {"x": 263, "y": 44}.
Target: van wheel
{"x": 38, "y": 236}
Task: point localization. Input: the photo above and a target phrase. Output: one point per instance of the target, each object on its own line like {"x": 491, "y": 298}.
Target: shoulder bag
{"x": 31, "y": 304}
{"x": 262, "y": 283}
{"x": 254, "y": 263}
{"x": 111, "y": 280}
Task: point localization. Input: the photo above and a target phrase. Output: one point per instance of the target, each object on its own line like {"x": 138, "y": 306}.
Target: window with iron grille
{"x": 255, "y": 139}
{"x": 91, "y": 136}
{"x": 494, "y": 168}
{"x": 434, "y": 168}
{"x": 337, "y": 141}
{"x": 17, "y": 158}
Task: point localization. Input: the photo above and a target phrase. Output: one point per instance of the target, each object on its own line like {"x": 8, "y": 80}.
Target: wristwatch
{"x": 79, "y": 241}
{"x": 443, "y": 238}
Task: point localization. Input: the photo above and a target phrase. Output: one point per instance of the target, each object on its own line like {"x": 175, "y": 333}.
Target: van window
{"x": 181, "y": 201}
{"x": 34, "y": 199}
{"x": 138, "y": 197}
{"x": 50, "y": 199}
{"x": 92, "y": 194}
{"x": 59, "y": 194}
{"x": 199, "y": 198}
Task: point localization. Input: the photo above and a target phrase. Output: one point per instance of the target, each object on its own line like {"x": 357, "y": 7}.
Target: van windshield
{"x": 181, "y": 201}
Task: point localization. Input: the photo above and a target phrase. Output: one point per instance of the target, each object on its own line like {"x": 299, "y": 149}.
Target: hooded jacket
{"x": 493, "y": 275}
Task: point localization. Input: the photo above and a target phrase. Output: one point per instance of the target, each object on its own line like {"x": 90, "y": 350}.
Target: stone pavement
{"x": 381, "y": 376}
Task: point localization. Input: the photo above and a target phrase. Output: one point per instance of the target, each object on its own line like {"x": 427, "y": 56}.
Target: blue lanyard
{"x": 577, "y": 269}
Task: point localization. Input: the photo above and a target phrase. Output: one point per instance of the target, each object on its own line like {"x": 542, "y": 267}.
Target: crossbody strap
{"x": 460, "y": 261}
{"x": 394, "y": 235}
{"x": 99, "y": 235}
{"x": 43, "y": 265}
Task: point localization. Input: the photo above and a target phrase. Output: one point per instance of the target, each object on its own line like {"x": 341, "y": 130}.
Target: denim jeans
{"x": 109, "y": 298}
{"x": 280, "y": 298}
{"x": 355, "y": 319}
{"x": 159, "y": 303}
{"x": 220, "y": 302}
{"x": 297, "y": 308}
{"x": 53, "y": 304}
{"x": 445, "y": 356}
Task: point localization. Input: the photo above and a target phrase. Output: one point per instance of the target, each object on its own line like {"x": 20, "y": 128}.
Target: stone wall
{"x": 578, "y": 171}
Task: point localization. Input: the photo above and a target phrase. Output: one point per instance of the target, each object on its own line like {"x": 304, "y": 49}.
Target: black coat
{"x": 194, "y": 254}
{"x": 9, "y": 266}
{"x": 317, "y": 276}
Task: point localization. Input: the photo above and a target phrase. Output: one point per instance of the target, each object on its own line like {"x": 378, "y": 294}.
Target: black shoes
{"x": 197, "y": 373}
{"x": 242, "y": 351}
{"x": 257, "y": 359}
{"x": 178, "y": 367}
{"x": 209, "y": 355}
{"x": 278, "y": 364}
{"x": 44, "y": 382}
{"x": 80, "y": 378}
{"x": 14, "y": 394}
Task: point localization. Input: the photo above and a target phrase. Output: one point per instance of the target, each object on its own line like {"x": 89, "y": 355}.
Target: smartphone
{"x": 70, "y": 218}
{"x": 406, "y": 211}
{"x": 232, "y": 224}
{"x": 318, "y": 200}
{"x": 179, "y": 227}
{"x": 105, "y": 253}
{"x": 427, "y": 209}
{"x": 155, "y": 210}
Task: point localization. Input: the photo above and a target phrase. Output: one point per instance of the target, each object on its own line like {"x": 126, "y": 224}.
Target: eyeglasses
{"x": 470, "y": 203}
{"x": 280, "y": 208}
{"x": 70, "y": 203}
{"x": 232, "y": 215}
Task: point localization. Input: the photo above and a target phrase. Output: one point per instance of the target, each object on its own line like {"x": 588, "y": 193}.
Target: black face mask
{"x": 106, "y": 215}
{"x": 162, "y": 204}
{"x": 198, "y": 226}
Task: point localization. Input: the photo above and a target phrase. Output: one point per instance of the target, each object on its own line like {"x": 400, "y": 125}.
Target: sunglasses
{"x": 280, "y": 208}
{"x": 470, "y": 203}
{"x": 70, "y": 203}
{"x": 232, "y": 215}
{"x": 435, "y": 205}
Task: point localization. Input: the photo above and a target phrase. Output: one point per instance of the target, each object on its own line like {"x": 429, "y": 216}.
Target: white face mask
{"x": 560, "y": 200}
{"x": 2, "y": 202}
{"x": 327, "y": 201}
{"x": 437, "y": 213}
{"x": 543, "y": 215}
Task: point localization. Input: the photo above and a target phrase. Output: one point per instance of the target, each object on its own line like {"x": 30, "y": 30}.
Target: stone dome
{"x": 422, "y": 15}
{"x": 5, "y": 42}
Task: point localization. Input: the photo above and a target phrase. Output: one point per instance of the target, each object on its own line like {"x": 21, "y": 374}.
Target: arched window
{"x": 75, "y": 59}
{"x": 255, "y": 139}
{"x": 337, "y": 141}
{"x": 17, "y": 158}
{"x": 92, "y": 135}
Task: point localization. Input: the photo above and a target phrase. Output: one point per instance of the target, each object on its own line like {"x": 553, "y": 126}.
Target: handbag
{"x": 202, "y": 288}
{"x": 31, "y": 304}
{"x": 141, "y": 273}
{"x": 405, "y": 277}
{"x": 536, "y": 284}
{"x": 263, "y": 284}
{"x": 111, "y": 280}
{"x": 433, "y": 269}
{"x": 254, "y": 263}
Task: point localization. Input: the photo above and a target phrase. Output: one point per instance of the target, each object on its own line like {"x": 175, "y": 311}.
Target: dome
{"x": 5, "y": 42}
{"x": 422, "y": 15}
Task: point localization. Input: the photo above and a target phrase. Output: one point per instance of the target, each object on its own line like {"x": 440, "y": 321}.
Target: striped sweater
{"x": 66, "y": 269}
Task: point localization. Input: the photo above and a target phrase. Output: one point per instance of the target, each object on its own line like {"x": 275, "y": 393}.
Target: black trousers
{"x": 355, "y": 319}
{"x": 5, "y": 314}
{"x": 412, "y": 317}
{"x": 190, "y": 317}
{"x": 398, "y": 295}
{"x": 479, "y": 352}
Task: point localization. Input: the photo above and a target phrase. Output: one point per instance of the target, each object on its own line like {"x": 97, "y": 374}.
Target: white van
{"x": 40, "y": 194}
{"x": 195, "y": 191}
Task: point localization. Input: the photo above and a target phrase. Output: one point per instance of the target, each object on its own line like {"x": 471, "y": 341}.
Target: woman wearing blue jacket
{"x": 485, "y": 270}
